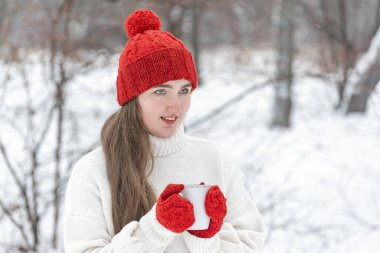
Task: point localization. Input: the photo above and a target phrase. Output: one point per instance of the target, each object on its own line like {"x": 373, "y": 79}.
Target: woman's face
{"x": 164, "y": 107}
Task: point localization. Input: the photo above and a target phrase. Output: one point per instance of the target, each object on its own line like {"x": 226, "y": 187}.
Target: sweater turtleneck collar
{"x": 169, "y": 145}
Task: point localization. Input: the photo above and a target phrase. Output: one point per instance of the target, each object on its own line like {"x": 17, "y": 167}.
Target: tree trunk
{"x": 175, "y": 16}
{"x": 368, "y": 68}
{"x": 364, "y": 87}
{"x": 60, "y": 82}
{"x": 195, "y": 36}
{"x": 346, "y": 48}
{"x": 283, "y": 101}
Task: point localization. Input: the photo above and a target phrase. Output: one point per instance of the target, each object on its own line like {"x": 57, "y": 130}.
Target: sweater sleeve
{"x": 86, "y": 228}
{"x": 243, "y": 229}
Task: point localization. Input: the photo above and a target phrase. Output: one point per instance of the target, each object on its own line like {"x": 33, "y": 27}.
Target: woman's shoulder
{"x": 90, "y": 164}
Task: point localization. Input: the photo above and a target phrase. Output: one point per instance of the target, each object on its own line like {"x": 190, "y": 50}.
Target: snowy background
{"x": 317, "y": 184}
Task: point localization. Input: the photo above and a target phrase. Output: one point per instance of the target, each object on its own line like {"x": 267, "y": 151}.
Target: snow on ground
{"x": 316, "y": 184}
{"x": 327, "y": 164}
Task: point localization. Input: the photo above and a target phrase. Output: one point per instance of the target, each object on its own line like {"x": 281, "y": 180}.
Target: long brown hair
{"x": 129, "y": 160}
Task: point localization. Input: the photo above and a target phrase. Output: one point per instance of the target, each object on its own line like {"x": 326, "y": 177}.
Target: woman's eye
{"x": 184, "y": 91}
{"x": 160, "y": 92}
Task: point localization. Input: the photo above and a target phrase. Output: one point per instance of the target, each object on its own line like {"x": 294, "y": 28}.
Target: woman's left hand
{"x": 216, "y": 209}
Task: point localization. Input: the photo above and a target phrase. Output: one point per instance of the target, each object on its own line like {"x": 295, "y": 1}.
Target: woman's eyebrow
{"x": 171, "y": 87}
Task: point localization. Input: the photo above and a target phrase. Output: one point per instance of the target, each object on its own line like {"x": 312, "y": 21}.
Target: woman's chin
{"x": 167, "y": 133}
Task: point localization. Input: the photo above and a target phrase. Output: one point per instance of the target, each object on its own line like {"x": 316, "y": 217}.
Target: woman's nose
{"x": 174, "y": 105}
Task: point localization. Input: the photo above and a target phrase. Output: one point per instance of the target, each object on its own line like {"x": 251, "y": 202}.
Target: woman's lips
{"x": 169, "y": 122}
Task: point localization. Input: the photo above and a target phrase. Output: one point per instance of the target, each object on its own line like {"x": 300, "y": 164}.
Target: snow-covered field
{"x": 316, "y": 184}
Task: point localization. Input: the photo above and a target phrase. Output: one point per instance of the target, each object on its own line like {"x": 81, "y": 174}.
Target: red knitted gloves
{"x": 176, "y": 213}
{"x": 173, "y": 211}
{"x": 216, "y": 209}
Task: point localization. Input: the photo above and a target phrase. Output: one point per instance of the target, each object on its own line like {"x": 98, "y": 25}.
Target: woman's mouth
{"x": 169, "y": 120}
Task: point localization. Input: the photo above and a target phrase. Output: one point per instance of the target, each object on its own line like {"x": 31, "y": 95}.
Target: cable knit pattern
{"x": 180, "y": 159}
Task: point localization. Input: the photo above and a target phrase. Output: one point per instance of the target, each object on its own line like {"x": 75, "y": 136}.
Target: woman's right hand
{"x": 173, "y": 211}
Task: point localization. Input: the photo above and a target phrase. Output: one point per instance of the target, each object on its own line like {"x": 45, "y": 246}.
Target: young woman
{"x": 125, "y": 195}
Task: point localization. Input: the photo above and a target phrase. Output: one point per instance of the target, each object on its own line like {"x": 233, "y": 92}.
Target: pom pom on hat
{"x": 140, "y": 21}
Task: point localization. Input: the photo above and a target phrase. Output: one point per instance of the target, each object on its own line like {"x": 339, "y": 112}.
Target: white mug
{"x": 196, "y": 194}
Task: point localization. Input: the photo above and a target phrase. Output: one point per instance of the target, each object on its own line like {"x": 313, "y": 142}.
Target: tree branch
{"x": 212, "y": 114}
{"x": 19, "y": 226}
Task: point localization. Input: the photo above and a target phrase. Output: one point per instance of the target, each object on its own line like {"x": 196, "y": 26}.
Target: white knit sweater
{"x": 178, "y": 159}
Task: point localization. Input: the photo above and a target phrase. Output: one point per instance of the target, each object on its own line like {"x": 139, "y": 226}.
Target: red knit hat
{"x": 151, "y": 57}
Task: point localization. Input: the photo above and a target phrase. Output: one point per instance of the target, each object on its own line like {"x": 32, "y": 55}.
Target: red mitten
{"x": 216, "y": 209}
{"x": 173, "y": 211}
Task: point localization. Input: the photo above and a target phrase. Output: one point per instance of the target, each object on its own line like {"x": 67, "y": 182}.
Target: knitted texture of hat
{"x": 151, "y": 57}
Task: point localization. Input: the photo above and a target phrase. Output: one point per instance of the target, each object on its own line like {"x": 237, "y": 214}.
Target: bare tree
{"x": 60, "y": 80}
{"x": 24, "y": 170}
{"x": 368, "y": 79}
{"x": 347, "y": 28}
{"x": 42, "y": 123}
{"x": 284, "y": 76}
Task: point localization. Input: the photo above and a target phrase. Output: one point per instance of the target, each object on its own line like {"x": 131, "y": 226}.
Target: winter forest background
{"x": 289, "y": 87}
